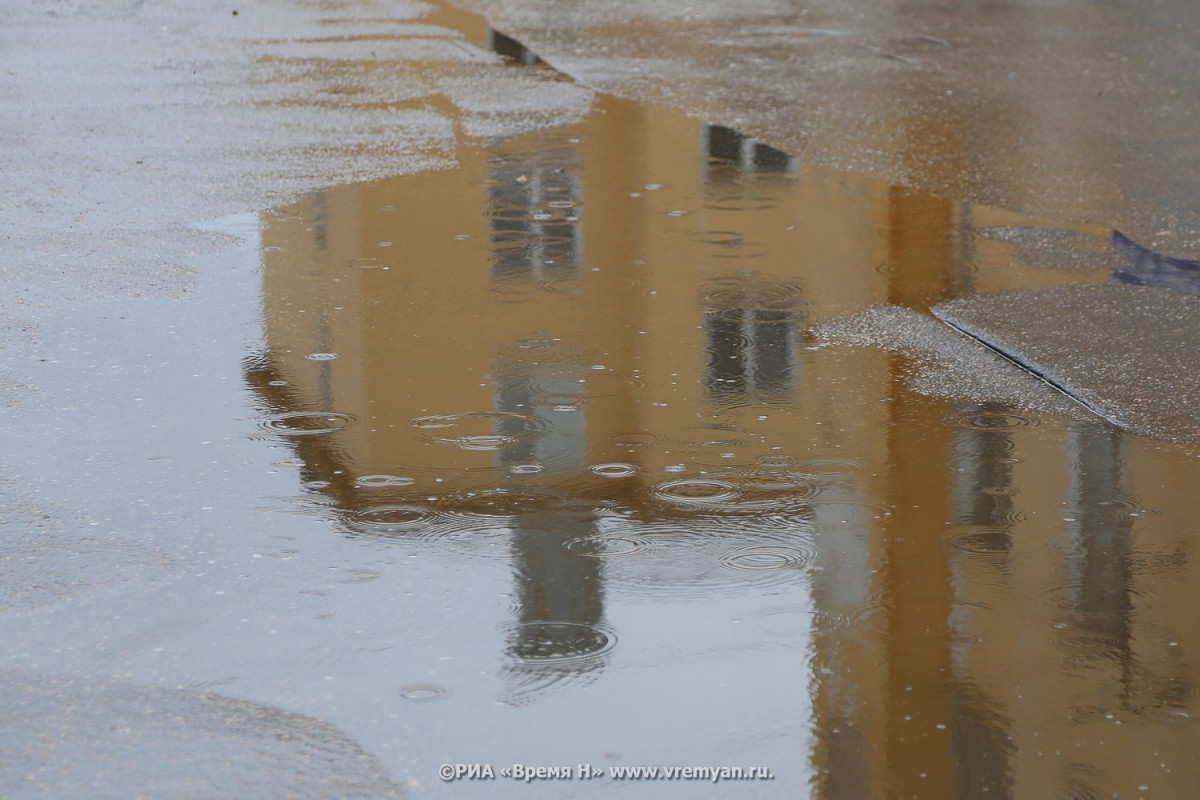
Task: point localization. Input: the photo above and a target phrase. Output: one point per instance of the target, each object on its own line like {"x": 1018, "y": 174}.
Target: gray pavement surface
{"x": 1127, "y": 352}
{"x": 1071, "y": 111}
{"x": 946, "y": 363}
{"x": 112, "y": 739}
{"x": 126, "y": 124}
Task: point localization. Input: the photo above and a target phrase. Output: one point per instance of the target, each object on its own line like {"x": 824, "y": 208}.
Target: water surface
{"x": 584, "y": 362}
{"x": 550, "y": 459}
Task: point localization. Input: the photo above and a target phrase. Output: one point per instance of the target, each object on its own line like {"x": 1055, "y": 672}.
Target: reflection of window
{"x": 534, "y": 215}
{"x": 752, "y": 340}
{"x": 731, "y": 153}
{"x": 510, "y": 48}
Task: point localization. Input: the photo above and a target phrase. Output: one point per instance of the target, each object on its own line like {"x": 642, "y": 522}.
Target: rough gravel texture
{"x": 1127, "y": 352}
{"x": 126, "y": 123}
{"x": 946, "y": 363}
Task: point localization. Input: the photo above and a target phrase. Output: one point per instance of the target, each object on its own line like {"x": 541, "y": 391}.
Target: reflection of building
{"x": 633, "y": 296}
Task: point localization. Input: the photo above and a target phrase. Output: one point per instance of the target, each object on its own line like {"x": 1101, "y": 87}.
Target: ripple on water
{"x": 702, "y": 555}
{"x": 615, "y": 470}
{"x": 610, "y": 546}
{"x": 563, "y": 402}
{"x": 1117, "y": 508}
{"x": 990, "y": 420}
{"x": 492, "y": 536}
{"x": 305, "y": 423}
{"x": 749, "y": 299}
{"x": 423, "y": 692}
{"x": 759, "y": 558}
{"x": 502, "y": 502}
{"x": 795, "y": 483}
{"x": 554, "y": 656}
{"x": 695, "y": 491}
{"x": 382, "y": 481}
{"x": 390, "y": 518}
{"x": 991, "y": 543}
{"x": 289, "y": 462}
{"x": 575, "y": 284}
{"x": 316, "y": 504}
{"x": 742, "y": 202}
{"x": 526, "y": 245}
{"x": 1166, "y": 714}
{"x": 476, "y": 430}
{"x": 561, "y": 644}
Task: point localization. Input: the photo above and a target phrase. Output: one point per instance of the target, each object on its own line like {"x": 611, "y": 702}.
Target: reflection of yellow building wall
{"x": 394, "y": 278}
{"x": 1076, "y": 685}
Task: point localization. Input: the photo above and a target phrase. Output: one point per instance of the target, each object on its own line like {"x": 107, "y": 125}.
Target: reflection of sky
{"x": 1148, "y": 268}
{"x": 304, "y": 633}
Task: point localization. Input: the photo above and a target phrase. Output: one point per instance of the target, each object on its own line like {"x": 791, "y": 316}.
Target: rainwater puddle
{"x": 591, "y": 360}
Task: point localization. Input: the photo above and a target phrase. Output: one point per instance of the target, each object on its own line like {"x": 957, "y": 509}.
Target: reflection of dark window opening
{"x": 510, "y": 48}
{"x": 768, "y": 159}
{"x": 731, "y": 153}
{"x": 723, "y": 143}
{"x": 726, "y": 374}
{"x": 752, "y": 344}
{"x": 533, "y": 207}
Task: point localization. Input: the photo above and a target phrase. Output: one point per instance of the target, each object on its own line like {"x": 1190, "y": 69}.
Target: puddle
{"x": 612, "y": 327}
{"x": 585, "y": 452}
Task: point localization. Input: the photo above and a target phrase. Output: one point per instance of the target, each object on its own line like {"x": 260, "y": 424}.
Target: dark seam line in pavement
{"x": 1028, "y": 368}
